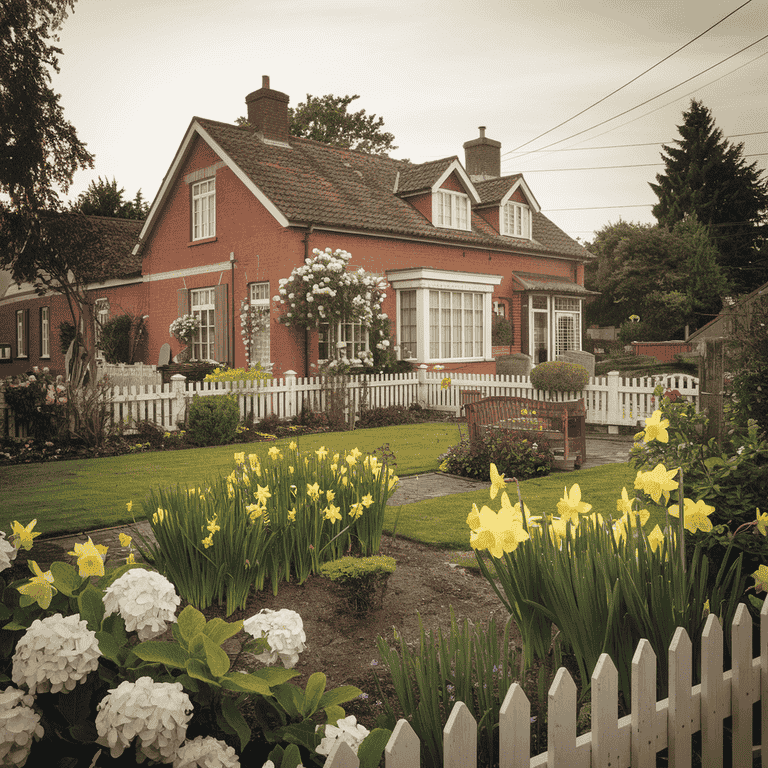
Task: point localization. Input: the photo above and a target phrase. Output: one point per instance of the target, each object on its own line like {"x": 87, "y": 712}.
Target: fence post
{"x": 422, "y": 396}
{"x": 612, "y": 404}
{"x": 711, "y": 386}
{"x": 178, "y": 404}
{"x": 290, "y": 395}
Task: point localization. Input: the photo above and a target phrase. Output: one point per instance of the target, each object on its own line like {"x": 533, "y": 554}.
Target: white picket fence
{"x": 611, "y": 400}
{"x": 634, "y": 739}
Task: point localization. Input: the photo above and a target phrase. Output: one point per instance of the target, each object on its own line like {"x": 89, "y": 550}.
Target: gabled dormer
{"x": 508, "y": 205}
{"x": 441, "y": 191}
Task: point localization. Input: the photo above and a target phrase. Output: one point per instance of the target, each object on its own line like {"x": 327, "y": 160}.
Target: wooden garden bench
{"x": 562, "y": 424}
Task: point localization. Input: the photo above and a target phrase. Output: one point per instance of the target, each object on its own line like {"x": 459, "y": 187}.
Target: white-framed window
{"x": 203, "y": 306}
{"x": 22, "y": 333}
{"x": 204, "y": 209}
{"x": 555, "y": 326}
{"x": 452, "y": 210}
{"x": 45, "y": 331}
{"x": 516, "y": 220}
{"x": 100, "y": 317}
{"x": 443, "y": 316}
{"x": 258, "y": 295}
{"x": 342, "y": 340}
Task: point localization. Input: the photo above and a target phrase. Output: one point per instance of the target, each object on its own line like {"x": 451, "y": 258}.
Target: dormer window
{"x": 516, "y": 220}
{"x": 452, "y": 210}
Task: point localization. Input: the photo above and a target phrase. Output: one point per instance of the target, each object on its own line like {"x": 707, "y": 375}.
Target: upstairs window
{"x": 45, "y": 331}
{"x": 452, "y": 210}
{"x": 516, "y": 220}
{"x": 204, "y": 209}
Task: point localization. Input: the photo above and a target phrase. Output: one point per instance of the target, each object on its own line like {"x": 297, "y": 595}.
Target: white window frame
{"x": 202, "y": 304}
{"x": 204, "y": 209}
{"x": 353, "y": 336}
{"x": 515, "y": 220}
{"x": 22, "y": 333}
{"x": 559, "y": 310}
{"x": 451, "y": 210}
{"x": 425, "y": 280}
{"x": 100, "y": 316}
{"x": 258, "y": 295}
{"x": 45, "y": 331}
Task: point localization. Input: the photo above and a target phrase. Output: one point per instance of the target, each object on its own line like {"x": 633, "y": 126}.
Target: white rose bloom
{"x": 19, "y": 726}
{"x": 154, "y": 714}
{"x": 206, "y": 752}
{"x": 146, "y": 600}
{"x": 55, "y": 654}
{"x": 7, "y": 552}
{"x": 284, "y": 631}
{"x": 346, "y": 729}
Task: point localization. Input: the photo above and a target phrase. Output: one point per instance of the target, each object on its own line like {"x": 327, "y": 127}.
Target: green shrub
{"x": 559, "y": 376}
{"x": 391, "y": 415}
{"x": 115, "y": 341}
{"x": 362, "y": 581}
{"x": 515, "y": 453}
{"x": 502, "y": 332}
{"x": 213, "y": 419}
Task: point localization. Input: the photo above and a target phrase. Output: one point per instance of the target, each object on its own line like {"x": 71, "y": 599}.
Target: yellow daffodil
{"x": 393, "y": 481}
{"x": 497, "y": 482}
{"x": 335, "y": 458}
{"x": 129, "y": 505}
{"x": 445, "y": 383}
{"x": 762, "y": 522}
{"x": 355, "y": 453}
{"x": 657, "y": 483}
{"x": 90, "y": 558}
{"x": 213, "y": 525}
{"x": 291, "y": 470}
{"x": 571, "y": 506}
{"x": 292, "y": 445}
{"x": 255, "y": 511}
{"x": 498, "y": 532}
{"x": 558, "y": 529}
{"x": 321, "y": 452}
{"x": 656, "y": 428}
{"x": 656, "y": 538}
{"x": 40, "y": 587}
{"x": 240, "y": 459}
{"x": 334, "y": 467}
{"x": 253, "y": 460}
{"x": 313, "y": 491}
{"x": 695, "y": 516}
{"x": 350, "y": 459}
{"x": 208, "y": 541}
{"x": 262, "y": 493}
{"x": 356, "y": 511}
{"x": 761, "y": 578}
{"x": 274, "y": 453}
{"x": 330, "y": 495}
{"x": 130, "y": 560}
{"x": 24, "y": 534}
{"x": 291, "y": 515}
{"x": 624, "y": 504}
{"x": 367, "y": 500}
{"x": 332, "y": 513}
{"x": 158, "y": 516}
{"x": 630, "y": 519}
{"x": 125, "y": 540}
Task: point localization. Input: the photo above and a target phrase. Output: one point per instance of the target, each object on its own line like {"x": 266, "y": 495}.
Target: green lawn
{"x": 92, "y": 493}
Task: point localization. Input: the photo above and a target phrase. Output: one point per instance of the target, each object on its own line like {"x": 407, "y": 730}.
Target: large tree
{"x": 326, "y": 119}
{"x": 103, "y": 198}
{"x": 707, "y": 176}
{"x": 669, "y": 278}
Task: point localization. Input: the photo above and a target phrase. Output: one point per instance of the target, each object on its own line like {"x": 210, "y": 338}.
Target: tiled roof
{"x": 314, "y": 183}
{"x": 115, "y": 240}
{"x": 535, "y": 282}
{"x": 493, "y": 190}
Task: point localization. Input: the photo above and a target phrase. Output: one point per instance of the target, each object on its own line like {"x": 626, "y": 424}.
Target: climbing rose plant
{"x": 323, "y": 290}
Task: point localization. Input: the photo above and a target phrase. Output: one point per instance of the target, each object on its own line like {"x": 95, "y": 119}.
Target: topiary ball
{"x": 559, "y": 376}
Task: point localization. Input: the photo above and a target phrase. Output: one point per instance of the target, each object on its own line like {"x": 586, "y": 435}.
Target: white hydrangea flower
{"x": 284, "y": 631}
{"x": 206, "y": 752}
{"x": 19, "y": 726}
{"x": 145, "y": 599}
{"x": 55, "y": 654}
{"x": 156, "y": 715}
{"x": 7, "y": 552}
{"x": 346, "y": 729}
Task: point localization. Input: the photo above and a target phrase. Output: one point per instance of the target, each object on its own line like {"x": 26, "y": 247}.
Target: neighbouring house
{"x": 241, "y": 206}
{"x": 30, "y": 324}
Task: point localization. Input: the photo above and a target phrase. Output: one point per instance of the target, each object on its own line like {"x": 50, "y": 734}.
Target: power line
{"x": 600, "y": 207}
{"x": 647, "y": 101}
{"x": 632, "y": 80}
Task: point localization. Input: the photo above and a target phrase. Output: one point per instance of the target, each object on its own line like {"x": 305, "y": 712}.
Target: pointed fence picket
{"x": 634, "y": 739}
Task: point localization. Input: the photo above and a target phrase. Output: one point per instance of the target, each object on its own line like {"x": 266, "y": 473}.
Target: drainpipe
{"x": 232, "y": 265}
{"x": 309, "y": 231}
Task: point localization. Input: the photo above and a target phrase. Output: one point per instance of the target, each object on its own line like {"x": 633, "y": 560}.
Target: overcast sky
{"x": 135, "y": 72}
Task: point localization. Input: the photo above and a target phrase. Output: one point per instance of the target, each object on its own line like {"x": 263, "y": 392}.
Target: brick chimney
{"x": 482, "y": 157}
{"x": 268, "y": 112}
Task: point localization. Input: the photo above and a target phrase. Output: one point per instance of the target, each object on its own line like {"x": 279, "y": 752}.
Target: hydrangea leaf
{"x": 236, "y": 721}
{"x": 65, "y": 578}
{"x": 236, "y": 681}
{"x": 109, "y": 647}
{"x": 219, "y": 630}
{"x": 372, "y": 747}
{"x": 215, "y": 657}
{"x": 200, "y": 671}
{"x": 191, "y": 622}
{"x": 313, "y": 693}
{"x": 274, "y": 676}
{"x": 159, "y": 652}
{"x": 339, "y": 695}
{"x": 91, "y": 607}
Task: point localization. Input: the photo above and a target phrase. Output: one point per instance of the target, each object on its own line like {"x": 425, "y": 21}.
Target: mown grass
{"x": 85, "y": 494}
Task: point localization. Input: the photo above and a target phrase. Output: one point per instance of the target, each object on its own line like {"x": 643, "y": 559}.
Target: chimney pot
{"x": 265, "y": 81}
{"x": 268, "y": 112}
{"x": 482, "y": 157}
{"x": 482, "y": 131}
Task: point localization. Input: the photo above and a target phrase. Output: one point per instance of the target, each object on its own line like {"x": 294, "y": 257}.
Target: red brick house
{"x": 242, "y": 206}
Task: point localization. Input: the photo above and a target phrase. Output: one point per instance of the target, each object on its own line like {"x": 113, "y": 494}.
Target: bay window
{"x": 342, "y": 340}
{"x": 555, "y": 326}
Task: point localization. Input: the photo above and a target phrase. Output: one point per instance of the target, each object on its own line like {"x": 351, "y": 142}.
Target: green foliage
{"x": 257, "y": 373}
{"x": 38, "y": 401}
{"x": 515, "y": 453}
{"x": 213, "y": 419}
{"x": 115, "y": 341}
{"x": 502, "y": 331}
{"x": 473, "y": 664}
{"x": 103, "y": 198}
{"x": 748, "y": 362}
{"x": 326, "y": 119}
{"x": 559, "y": 376}
{"x": 392, "y": 415}
{"x": 708, "y": 177}
{"x": 362, "y": 581}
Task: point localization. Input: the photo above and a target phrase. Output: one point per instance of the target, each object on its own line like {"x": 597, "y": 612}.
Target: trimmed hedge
{"x": 559, "y": 376}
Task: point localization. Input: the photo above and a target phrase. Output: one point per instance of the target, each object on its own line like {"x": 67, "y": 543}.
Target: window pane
{"x": 434, "y": 324}
{"x": 408, "y": 335}
{"x": 478, "y": 298}
{"x": 445, "y": 323}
